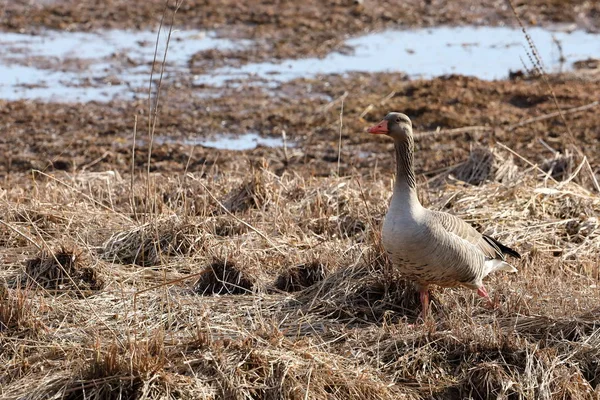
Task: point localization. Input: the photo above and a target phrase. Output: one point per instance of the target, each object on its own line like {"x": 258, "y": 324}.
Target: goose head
{"x": 396, "y": 125}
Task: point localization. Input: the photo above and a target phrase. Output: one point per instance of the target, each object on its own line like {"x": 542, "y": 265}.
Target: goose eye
{"x": 397, "y": 120}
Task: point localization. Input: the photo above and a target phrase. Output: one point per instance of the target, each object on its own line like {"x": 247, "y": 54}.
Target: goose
{"x": 427, "y": 246}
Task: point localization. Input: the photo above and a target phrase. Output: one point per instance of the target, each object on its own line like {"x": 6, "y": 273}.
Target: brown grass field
{"x": 175, "y": 272}
{"x": 265, "y": 286}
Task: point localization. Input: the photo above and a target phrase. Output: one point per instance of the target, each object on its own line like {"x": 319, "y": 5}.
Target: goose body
{"x": 439, "y": 248}
{"x": 432, "y": 247}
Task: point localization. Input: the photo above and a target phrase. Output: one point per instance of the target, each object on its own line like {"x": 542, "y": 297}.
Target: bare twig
{"x": 340, "y": 138}
{"x": 455, "y": 131}
{"x": 544, "y": 77}
{"x": 153, "y": 113}
{"x": 552, "y": 115}
{"x": 132, "y": 178}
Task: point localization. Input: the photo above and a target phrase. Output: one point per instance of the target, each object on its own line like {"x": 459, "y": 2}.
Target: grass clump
{"x": 252, "y": 193}
{"x": 486, "y": 164}
{"x": 120, "y": 371}
{"x": 224, "y": 277}
{"x": 64, "y": 269}
{"x": 152, "y": 243}
{"x": 16, "y": 311}
{"x": 301, "y": 276}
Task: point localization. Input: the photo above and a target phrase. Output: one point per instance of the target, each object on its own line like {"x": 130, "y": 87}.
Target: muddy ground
{"x": 98, "y": 136}
{"x": 297, "y": 301}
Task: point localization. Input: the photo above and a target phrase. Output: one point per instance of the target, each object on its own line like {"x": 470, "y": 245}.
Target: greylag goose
{"x": 432, "y": 247}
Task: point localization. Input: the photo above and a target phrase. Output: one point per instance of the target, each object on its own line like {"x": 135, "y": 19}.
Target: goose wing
{"x": 490, "y": 247}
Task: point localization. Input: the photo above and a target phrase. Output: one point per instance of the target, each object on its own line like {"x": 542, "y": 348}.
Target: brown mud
{"x": 98, "y": 136}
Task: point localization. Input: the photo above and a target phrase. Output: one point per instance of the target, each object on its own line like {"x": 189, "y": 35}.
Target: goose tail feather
{"x": 499, "y": 265}
{"x": 504, "y": 249}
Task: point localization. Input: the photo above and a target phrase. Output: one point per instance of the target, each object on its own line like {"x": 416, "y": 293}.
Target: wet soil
{"x": 99, "y": 136}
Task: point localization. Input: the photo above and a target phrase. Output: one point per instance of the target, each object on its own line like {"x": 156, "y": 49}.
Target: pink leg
{"x": 424, "y": 296}
{"x": 483, "y": 293}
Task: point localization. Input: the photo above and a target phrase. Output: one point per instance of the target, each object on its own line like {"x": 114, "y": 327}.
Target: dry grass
{"x": 147, "y": 244}
{"x": 276, "y": 287}
{"x": 63, "y": 269}
{"x": 222, "y": 277}
{"x": 486, "y": 164}
{"x": 301, "y": 276}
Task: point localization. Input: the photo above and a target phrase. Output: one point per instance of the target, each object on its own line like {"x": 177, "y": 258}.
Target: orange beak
{"x": 380, "y": 128}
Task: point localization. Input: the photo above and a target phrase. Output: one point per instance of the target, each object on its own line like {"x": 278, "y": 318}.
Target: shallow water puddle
{"x": 245, "y": 141}
{"x": 82, "y": 66}
{"x": 77, "y": 66}
{"x": 483, "y": 52}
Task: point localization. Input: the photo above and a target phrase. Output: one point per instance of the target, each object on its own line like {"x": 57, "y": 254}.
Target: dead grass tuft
{"x": 547, "y": 328}
{"x": 133, "y": 369}
{"x": 224, "y": 277}
{"x": 16, "y": 311}
{"x": 344, "y": 225}
{"x": 225, "y": 226}
{"x": 486, "y": 164}
{"x": 363, "y": 292}
{"x": 151, "y": 243}
{"x": 560, "y": 166}
{"x": 489, "y": 379}
{"x": 252, "y": 193}
{"x": 580, "y": 228}
{"x": 64, "y": 269}
{"x": 301, "y": 276}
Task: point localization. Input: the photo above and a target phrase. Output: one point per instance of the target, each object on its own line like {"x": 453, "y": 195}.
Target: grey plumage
{"x": 432, "y": 247}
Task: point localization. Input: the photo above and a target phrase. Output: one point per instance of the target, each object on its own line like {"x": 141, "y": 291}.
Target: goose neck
{"x": 405, "y": 174}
